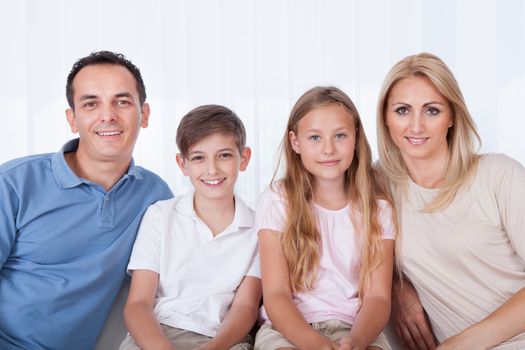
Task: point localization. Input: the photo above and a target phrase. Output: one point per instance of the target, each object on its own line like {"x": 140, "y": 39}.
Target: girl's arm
{"x": 277, "y": 296}
{"x": 374, "y": 312}
{"x": 504, "y": 323}
{"x": 138, "y": 312}
{"x": 410, "y": 319}
{"x": 240, "y": 318}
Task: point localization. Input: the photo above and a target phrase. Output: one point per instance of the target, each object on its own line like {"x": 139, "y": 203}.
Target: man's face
{"x": 107, "y": 113}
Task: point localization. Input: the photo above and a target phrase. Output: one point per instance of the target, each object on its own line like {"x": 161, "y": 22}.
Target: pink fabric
{"x": 335, "y": 291}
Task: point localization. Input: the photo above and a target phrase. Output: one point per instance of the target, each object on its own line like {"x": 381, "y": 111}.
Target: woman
{"x": 462, "y": 247}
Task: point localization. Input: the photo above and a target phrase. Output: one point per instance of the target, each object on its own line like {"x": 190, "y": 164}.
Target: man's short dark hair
{"x": 104, "y": 57}
{"x": 206, "y": 120}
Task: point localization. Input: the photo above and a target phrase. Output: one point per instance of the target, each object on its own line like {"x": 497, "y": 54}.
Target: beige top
{"x": 468, "y": 259}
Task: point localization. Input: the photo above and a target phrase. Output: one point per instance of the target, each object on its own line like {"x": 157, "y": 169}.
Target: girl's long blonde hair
{"x": 462, "y": 136}
{"x": 301, "y": 239}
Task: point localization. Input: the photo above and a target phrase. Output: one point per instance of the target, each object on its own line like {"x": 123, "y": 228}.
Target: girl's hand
{"x": 349, "y": 343}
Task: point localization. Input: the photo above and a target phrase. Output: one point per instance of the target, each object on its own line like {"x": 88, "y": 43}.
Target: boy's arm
{"x": 240, "y": 318}
{"x": 375, "y": 307}
{"x": 277, "y": 296}
{"x": 138, "y": 312}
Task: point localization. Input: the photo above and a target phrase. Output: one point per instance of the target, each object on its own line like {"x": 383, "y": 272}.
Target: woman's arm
{"x": 504, "y": 323}
{"x": 375, "y": 306}
{"x": 410, "y": 319}
{"x": 277, "y": 296}
{"x": 240, "y": 318}
{"x": 138, "y": 312}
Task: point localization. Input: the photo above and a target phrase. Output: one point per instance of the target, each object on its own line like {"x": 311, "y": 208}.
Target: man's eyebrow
{"x": 87, "y": 97}
{"x": 124, "y": 94}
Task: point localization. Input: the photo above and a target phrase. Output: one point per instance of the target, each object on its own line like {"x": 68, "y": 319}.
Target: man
{"x": 68, "y": 220}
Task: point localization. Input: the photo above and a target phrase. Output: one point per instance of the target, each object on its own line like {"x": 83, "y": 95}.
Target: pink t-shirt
{"x": 335, "y": 289}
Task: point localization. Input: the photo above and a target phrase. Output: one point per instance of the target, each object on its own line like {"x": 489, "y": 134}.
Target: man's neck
{"x": 106, "y": 174}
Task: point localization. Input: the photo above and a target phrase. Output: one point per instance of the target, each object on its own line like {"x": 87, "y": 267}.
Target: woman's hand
{"x": 410, "y": 320}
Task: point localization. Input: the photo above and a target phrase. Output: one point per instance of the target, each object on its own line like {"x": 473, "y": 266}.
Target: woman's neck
{"x": 428, "y": 173}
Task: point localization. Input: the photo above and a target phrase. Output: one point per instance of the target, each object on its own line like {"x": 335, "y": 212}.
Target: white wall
{"x": 256, "y": 57}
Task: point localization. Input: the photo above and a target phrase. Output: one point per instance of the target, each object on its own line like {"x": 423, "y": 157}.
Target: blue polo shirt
{"x": 64, "y": 246}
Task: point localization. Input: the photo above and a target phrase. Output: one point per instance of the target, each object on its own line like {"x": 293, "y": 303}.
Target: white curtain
{"x": 256, "y": 57}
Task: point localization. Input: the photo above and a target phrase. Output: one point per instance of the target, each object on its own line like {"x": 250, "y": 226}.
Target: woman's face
{"x": 418, "y": 118}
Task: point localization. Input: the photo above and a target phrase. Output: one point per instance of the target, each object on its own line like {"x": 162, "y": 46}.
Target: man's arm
{"x": 9, "y": 202}
{"x": 240, "y": 318}
{"x": 138, "y": 312}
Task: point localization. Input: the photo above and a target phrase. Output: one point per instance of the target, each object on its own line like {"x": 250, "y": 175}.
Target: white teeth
{"x": 212, "y": 182}
{"x": 417, "y": 140}
{"x": 109, "y": 133}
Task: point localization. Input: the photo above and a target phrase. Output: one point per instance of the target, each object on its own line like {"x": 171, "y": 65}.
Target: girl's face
{"x": 325, "y": 140}
{"x": 418, "y": 118}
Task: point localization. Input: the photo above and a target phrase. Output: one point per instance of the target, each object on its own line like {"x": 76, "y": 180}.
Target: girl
{"x": 326, "y": 234}
{"x": 463, "y": 247}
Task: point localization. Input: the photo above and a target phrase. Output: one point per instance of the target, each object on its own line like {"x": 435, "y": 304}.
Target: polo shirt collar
{"x": 66, "y": 178}
{"x": 242, "y": 217}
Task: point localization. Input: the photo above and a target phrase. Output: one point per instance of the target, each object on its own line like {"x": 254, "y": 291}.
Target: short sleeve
{"x": 270, "y": 213}
{"x": 510, "y": 196}
{"x": 147, "y": 247}
{"x": 255, "y": 266}
{"x": 385, "y": 220}
{"x": 8, "y": 212}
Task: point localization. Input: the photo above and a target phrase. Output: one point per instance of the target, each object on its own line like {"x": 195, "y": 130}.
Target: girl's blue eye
{"x": 315, "y": 137}
{"x": 340, "y": 136}
{"x": 401, "y": 110}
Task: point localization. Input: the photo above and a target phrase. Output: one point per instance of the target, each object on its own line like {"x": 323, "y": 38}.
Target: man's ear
{"x": 71, "y": 119}
{"x": 145, "y": 115}
{"x": 246, "y": 154}
{"x": 294, "y": 142}
{"x": 181, "y": 161}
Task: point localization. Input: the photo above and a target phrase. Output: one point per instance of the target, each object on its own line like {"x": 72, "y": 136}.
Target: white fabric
{"x": 468, "y": 259}
{"x": 198, "y": 273}
{"x": 335, "y": 290}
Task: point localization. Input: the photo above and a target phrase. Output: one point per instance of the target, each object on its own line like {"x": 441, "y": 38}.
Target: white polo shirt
{"x": 198, "y": 273}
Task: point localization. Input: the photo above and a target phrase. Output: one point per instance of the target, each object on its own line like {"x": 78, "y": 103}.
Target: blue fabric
{"x": 64, "y": 246}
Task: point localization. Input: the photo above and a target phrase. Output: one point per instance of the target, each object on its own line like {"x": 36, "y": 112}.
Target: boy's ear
{"x": 181, "y": 161}
{"x": 294, "y": 142}
{"x": 246, "y": 154}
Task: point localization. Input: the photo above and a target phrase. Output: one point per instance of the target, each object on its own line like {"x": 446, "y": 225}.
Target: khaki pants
{"x": 268, "y": 338}
{"x": 183, "y": 340}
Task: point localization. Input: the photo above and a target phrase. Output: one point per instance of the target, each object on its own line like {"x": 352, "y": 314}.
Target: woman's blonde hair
{"x": 461, "y": 138}
{"x": 301, "y": 239}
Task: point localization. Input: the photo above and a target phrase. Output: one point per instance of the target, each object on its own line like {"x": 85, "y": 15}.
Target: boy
{"x": 194, "y": 264}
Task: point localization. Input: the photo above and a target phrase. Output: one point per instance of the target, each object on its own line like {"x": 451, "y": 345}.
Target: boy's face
{"x": 213, "y": 165}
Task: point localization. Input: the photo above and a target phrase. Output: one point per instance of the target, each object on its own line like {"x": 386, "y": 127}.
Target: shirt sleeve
{"x": 510, "y": 196}
{"x": 385, "y": 220}
{"x": 271, "y": 212}
{"x": 255, "y": 266}
{"x": 147, "y": 247}
{"x": 8, "y": 210}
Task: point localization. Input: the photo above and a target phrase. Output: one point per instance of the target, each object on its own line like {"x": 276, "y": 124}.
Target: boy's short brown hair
{"x": 206, "y": 120}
